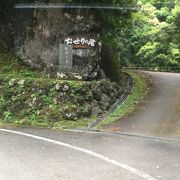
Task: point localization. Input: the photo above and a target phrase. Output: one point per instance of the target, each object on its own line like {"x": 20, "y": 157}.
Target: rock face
{"x": 40, "y": 31}
{"x": 41, "y": 100}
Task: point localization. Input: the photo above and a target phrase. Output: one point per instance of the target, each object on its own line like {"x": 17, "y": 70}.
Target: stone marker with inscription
{"x": 83, "y": 42}
{"x": 86, "y": 54}
{"x": 65, "y": 57}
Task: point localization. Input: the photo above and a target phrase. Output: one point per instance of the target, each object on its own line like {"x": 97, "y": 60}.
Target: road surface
{"x": 79, "y": 155}
{"x": 160, "y": 113}
{"x": 44, "y": 154}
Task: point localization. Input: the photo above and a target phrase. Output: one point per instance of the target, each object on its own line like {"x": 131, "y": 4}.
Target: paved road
{"x": 134, "y": 158}
{"x": 160, "y": 114}
{"x": 42, "y": 154}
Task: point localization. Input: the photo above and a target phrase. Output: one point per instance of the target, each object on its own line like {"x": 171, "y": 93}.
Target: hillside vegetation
{"x": 29, "y": 98}
{"x": 153, "y": 40}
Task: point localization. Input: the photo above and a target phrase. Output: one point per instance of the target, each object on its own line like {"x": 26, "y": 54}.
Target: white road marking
{"x": 91, "y": 153}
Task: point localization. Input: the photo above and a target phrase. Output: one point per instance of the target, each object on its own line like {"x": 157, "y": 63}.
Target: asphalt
{"x": 160, "y": 113}
{"x": 23, "y": 157}
{"x": 46, "y": 154}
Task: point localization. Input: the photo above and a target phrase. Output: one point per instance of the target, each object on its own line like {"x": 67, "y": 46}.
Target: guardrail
{"x": 116, "y": 106}
{"x": 163, "y": 69}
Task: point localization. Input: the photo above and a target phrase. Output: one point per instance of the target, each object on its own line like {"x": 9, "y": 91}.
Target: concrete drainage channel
{"x": 116, "y": 106}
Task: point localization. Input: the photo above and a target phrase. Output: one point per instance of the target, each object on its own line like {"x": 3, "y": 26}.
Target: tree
{"x": 155, "y": 37}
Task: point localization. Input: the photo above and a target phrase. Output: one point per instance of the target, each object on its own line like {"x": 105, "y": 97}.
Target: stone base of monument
{"x": 55, "y": 100}
{"x": 74, "y": 73}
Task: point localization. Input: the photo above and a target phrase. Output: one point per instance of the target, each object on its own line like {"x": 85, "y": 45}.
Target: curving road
{"x": 160, "y": 113}
{"x": 44, "y": 154}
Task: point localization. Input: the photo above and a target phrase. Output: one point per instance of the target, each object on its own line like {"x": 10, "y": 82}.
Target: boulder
{"x": 40, "y": 32}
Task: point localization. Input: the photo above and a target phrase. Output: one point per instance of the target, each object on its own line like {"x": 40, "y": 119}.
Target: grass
{"x": 81, "y": 123}
{"x": 11, "y": 67}
{"x": 138, "y": 93}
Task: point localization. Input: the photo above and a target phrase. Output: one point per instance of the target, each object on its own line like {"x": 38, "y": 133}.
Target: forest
{"x": 153, "y": 37}
{"x": 148, "y": 37}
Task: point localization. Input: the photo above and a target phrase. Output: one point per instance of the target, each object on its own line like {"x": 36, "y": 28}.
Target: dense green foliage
{"x": 155, "y": 35}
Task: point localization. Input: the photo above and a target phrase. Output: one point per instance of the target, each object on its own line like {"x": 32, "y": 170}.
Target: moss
{"x": 12, "y": 66}
{"x": 27, "y": 98}
{"x": 81, "y": 123}
{"x": 34, "y": 102}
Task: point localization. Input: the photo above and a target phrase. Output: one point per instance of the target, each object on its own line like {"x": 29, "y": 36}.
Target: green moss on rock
{"x": 30, "y": 99}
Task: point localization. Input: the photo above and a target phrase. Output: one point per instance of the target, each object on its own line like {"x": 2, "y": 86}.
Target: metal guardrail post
{"x": 164, "y": 69}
